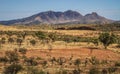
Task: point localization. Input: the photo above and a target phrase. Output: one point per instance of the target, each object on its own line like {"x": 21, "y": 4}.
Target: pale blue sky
{"x": 14, "y": 9}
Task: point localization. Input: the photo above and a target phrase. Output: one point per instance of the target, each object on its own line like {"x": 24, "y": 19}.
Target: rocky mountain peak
{"x": 94, "y": 13}
{"x": 52, "y": 17}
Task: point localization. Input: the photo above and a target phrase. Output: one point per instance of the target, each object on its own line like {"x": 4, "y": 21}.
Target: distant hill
{"x": 51, "y": 17}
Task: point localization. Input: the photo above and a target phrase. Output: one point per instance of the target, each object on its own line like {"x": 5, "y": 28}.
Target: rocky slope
{"x": 51, "y": 17}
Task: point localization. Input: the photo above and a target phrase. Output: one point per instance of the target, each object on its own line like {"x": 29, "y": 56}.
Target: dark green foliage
{"x": 77, "y": 71}
{"x": 41, "y": 35}
{"x": 107, "y": 39}
{"x": 44, "y": 36}
{"x": 19, "y": 41}
{"x": 77, "y": 62}
{"x": 32, "y": 42}
{"x": 112, "y": 69}
{"x": 81, "y": 28}
{"x": 53, "y": 36}
{"x": 3, "y": 40}
{"x": 60, "y": 37}
{"x": 11, "y": 40}
{"x": 100, "y": 27}
{"x": 94, "y": 71}
{"x": 12, "y": 69}
{"x": 108, "y": 27}
{"x": 12, "y": 56}
{"x": 9, "y": 33}
{"x": 4, "y": 59}
{"x": 31, "y": 61}
{"x": 22, "y": 50}
{"x": 95, "y": 41}
{"x": 117, "y": 64}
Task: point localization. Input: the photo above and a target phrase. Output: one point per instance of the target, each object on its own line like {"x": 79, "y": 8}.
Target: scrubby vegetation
{"x": 18, "y": 57}
{"x": 15, "y": 64}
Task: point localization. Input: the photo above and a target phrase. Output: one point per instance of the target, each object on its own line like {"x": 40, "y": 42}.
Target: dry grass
{"x": 80, "y": 50}
{"x": 82, "y": 33}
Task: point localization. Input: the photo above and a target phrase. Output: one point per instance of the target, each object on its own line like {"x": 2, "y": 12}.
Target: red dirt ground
{"x": 81, "y": 53}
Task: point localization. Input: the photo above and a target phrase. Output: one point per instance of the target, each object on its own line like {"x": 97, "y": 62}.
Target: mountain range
{"x": 52, "y": 17}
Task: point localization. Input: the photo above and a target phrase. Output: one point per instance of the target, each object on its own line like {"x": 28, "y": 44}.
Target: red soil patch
{"x": 81, "y": 53}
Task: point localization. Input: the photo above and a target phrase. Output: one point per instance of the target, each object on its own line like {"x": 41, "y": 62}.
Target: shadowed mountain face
{"x": 51, "y": 17}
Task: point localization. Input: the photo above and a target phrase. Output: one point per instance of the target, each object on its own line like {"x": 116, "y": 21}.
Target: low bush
{"x": 22, "y": 50}
{"x": 117, "y": 64}
{"x": 94, "y": 71}
{"x": 112, "y": 69}
{"x": 12, "y": 69}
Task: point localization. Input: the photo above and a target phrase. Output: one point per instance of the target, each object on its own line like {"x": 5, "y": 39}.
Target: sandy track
{"x": 81, "y": 53}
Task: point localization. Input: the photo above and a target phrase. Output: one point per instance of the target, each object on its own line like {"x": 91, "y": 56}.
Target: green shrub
{"x": 107, "y": 39}
{"x": 112, "y": 69}
{"x": 4, "y": 59}
{"x": 94, "y": 71}
{"x": 95, "y": 42}
{"x": 11, "y": 40}
{"x": 3, "y": 40}
{"x": 32, "y": 42}
{"x": 41, "y": 35}
{"x": 19, "y": 41}
{"x": 12, "y": 69}
{"x": 31, "y": 61}
{"x": 77, "y": 62}
{"x": 77, "y": 71}
{"x": 22, "y": 50}
{"x": 12, "y": 56}
{"x": 117, "y": 64}
{"x": 53, "y": 36}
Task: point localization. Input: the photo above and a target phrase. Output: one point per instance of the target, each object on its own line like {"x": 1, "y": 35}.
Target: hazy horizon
{"x": 16, "y": 9}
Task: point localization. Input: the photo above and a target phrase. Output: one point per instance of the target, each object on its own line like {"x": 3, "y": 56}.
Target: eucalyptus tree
{"x": 107, "y": 38}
